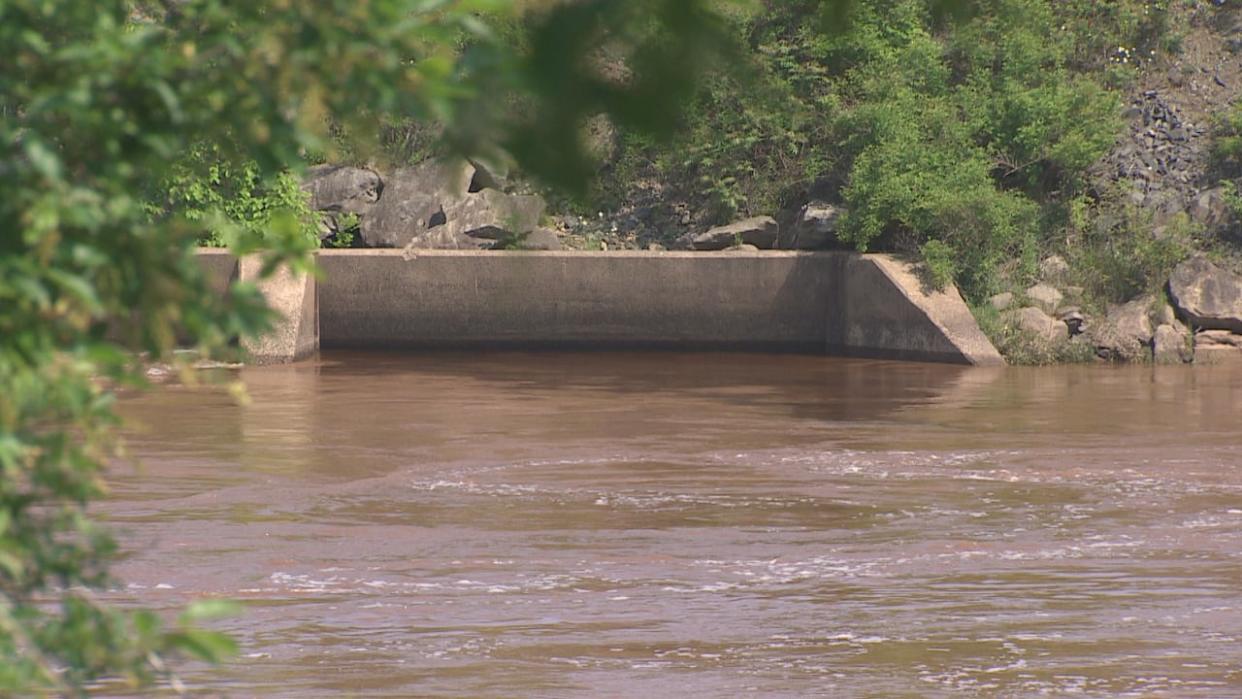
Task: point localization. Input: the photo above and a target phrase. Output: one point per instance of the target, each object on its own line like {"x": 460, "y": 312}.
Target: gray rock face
{"x": 540, "y": 239}
{"x": 760, "y": 231}
{"x": 414, "y": 202}
{"x": 1208, "y": 296}
{"x": 1035, "y": 322}
{"x": 815, "y": 228}
{"x": 1045, "y": 297}
{"x": 1209, "y": 208}
{"x": 1171, "y": 346}
{"x": 1217, "y": 354}
{"x": 337, "y": 188}
{"x": 493, "y": 215}
{"x": 744, "y": 247}
{"x": 1217, "y": 338}
{"x": 1160, "y": 158}
{"x": 1126, "y": 334}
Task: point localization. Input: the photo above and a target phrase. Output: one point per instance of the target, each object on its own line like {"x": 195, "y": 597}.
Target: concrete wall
{"x": 838, "y": 303}
{"x": 294, "y": 297}
{"x": 375, "y": 298}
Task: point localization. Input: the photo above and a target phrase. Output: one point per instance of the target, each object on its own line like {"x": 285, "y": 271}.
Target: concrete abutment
{"x": 820, "y": 302}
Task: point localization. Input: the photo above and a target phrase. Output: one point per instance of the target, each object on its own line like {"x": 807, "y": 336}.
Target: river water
{"x": 675, "y": 525}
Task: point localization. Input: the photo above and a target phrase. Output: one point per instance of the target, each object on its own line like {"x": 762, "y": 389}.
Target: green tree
{"x": 100, "y": 103}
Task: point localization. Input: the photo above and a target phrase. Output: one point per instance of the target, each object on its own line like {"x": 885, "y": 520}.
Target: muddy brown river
{"x": 697, "y": 525}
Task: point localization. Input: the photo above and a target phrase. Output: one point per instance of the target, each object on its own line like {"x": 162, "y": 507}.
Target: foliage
{"x": 939, "y": 262}
{"x": 231, "y": 199}
{"x": 1117, "y": 253}
{"x": 971, "y": 132}
{"x": 100, "y": 102}
{"x": 1227, "y": 142}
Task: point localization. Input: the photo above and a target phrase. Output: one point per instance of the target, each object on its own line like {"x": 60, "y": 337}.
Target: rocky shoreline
{"x": 1198, "y": 318}
{"x": 463, "y": 206}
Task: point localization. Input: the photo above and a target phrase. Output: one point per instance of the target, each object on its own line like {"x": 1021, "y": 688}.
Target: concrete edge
{"x": 945, "y": 309}
{"x": 886, "y": 313}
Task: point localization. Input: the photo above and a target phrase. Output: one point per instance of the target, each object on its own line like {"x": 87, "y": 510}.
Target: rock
{"x": 494, "y": 215}
{"x": 1209, "y": 208}
{"x": 760, "y": 231}
{"x": 1206, "y": 295}
{"x": 1217, "y": 354}
{"x": 1218, "y": 338}
{"x": 1035, "y": 322}
{"x": 1045, "y": 297}
{"x": 815, "y": 227}
{"x": 1002, "y": 301}
{"x": 1053, "y": 268}
{"x": 413, "y": 203}
{"x": 489, "y": 173}
{"x": 1165, "y": 315}
{"x": 338, "y": 188}
{"x": 1126, "y": 334}
{"x": 540, "y": 239}
{"x": 744, "y": 247}
{"x": 1171, "y": 346}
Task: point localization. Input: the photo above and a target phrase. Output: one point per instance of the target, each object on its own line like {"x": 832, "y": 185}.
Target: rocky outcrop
{"x": 815, "y": 227}
{"x": 338, "y": 188}
{"x": 1161, "y": 156}
{"x": 1045, "y": 297}
{"x": 1207, "y": 296}
{"x": 1033, "y": 321}
{"x": 760, "y": 231}
{"x": 447, "y": 205}
{"x": 493, "y": 215}
{"x": 1171, "y": 345}
{"x": 1127, "y": 333}
{"x": 538, "y": 239}
{"x": 414, "y": 202}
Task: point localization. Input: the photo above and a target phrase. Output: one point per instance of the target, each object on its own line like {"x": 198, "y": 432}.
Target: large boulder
{"x": 1035, "y": 322}
{"x": 760, "y": 231}
{"x": 1045, "y": 297}
{"x": 1209, "y": 208}
{"x": 1171, "y": 345}
{"x": 414, "y": 202}
{"x": 1206, "y": 295}
{"x": 339, "y": 188}
{"x": 494, "y": 215}
{"x": 1126, "y": 333}
{"x": 1217, "y": 338}
{"x": 539, "y": 239}
{"x": 815, "y": 227}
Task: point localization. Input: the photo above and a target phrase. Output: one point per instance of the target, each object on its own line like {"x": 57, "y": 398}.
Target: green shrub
{"x": 228, "y": 199}
{"x": 970, "y": 134}
{"x": 939, "y": 262}
{"x": 1120, "y": 254}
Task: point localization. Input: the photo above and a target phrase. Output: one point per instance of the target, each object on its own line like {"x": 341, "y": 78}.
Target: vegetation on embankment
{"x": 981, "y": 138}
{"x": 983, "y": 143}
